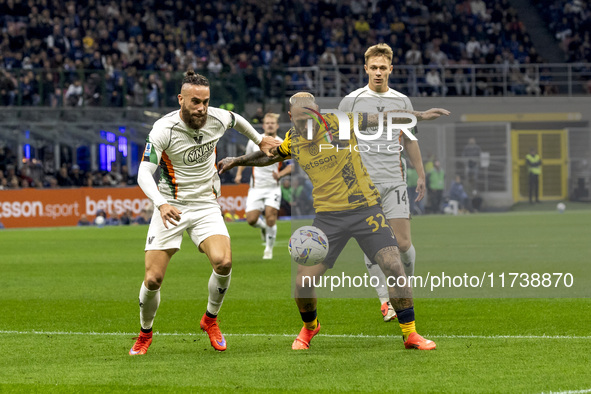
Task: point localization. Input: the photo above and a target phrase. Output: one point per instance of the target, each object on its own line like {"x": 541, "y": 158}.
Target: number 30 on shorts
{"x": 371, "y": 221}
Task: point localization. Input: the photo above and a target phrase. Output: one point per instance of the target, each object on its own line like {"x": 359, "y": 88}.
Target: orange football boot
{"x": 302, "y": 342}
{"x": 142, "y": 343}
{"x": 210, "y": 326}
{"x": 415, "y": 341}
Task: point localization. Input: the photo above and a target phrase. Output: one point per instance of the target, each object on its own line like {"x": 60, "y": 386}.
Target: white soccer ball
{"x": 308, "y": 245}
{"x": 99, "y": 221}
{"x": 560, "y": 207}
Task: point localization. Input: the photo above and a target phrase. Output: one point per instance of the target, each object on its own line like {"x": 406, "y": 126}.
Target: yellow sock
{"x": 312, "y": 324}
{"x": 407, "y": 329}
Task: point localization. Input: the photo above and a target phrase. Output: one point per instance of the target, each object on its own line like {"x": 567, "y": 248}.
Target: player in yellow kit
{"x": 347, "y": 205}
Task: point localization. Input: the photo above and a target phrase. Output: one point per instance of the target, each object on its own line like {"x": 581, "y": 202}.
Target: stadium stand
{"x": 130, "y": 53}
{"x": 570, "y": 21}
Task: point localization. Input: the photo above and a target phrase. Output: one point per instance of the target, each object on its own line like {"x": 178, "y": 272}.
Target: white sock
{"x": 270, "y": 236}
{"x": 260, "y": 223}
{"x": 381, "y": 289}
{"x": 218, "y": 285}
{"x": 149, "y": 301}
{"x": 408, "y": 260}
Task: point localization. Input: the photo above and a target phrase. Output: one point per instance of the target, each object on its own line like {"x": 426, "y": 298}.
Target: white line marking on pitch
{"x": 570, "y": 392}
{"x": 179, "y": 334}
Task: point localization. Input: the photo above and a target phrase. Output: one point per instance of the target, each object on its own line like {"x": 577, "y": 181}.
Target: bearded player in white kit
{"x": 384, "y": 162}
{"x": 265, "y": 193}
{"x": 183, "y": 143}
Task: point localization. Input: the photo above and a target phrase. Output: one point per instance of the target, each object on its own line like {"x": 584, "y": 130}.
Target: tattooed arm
{"x": 256, "y": 159}
{"x": 430, "y": 114}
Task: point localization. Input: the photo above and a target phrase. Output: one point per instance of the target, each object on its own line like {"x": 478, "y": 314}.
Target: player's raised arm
{"x": 430, "y": 114}
{"x": 265, "y": 143}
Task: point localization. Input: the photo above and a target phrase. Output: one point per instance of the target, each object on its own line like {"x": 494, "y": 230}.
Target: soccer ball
{"x": 308, "y": 246}
{"x": 560, "y": 207}
{"x": 99, "y": 221}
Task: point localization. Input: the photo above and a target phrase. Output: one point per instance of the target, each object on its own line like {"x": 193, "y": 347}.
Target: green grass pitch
{"x": 68, "y": 311}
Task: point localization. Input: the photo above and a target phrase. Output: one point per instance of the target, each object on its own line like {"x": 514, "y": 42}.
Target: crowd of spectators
{"x": 131, "y": 51}
{"x": 39, "y": 174}
{"x": 570, "y": 21}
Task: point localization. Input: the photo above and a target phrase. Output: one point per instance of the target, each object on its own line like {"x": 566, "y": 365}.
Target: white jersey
{"x": 385, "y": 165}
{"x": 262, "y": 177}
{"x": 187, "y": 156}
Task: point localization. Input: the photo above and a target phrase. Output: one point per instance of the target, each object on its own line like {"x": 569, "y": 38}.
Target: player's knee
{"x": 153, "y": 281}
{"x": 222, "y": 265}
{"x": 251, "y": 221}
{"x": 404, "y": 244}
{"x": 271, "y": 221}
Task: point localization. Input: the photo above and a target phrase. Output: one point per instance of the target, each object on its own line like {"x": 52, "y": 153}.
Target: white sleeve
{"x": 245, "y": 128}
{"x": 250, "y": 147}
{"x": 146, "y": 182}
{"x": 344, "y": 105}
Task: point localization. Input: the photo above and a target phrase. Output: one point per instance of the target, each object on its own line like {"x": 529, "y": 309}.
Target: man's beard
{"x": 191, "y": 121}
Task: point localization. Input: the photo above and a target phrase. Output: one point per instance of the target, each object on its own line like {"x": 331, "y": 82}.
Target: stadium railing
{"x": 158, "y": 89}
{"x": 568, "y": 79}
{"x": 155, "y": 89}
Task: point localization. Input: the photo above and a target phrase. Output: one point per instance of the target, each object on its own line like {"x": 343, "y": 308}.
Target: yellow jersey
{"x": 340, "y": 180}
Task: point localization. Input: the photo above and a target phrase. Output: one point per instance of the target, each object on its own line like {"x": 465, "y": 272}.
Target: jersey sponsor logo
{"x": 199, "y": 153}
{"x": 320, "y": 162}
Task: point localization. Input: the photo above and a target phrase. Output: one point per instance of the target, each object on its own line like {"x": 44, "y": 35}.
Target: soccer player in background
{"x": 265, "y": 192}
{"x": 387, "y": 167}
{"x": 183, "y": 143}
{"x": 347, "y": 205}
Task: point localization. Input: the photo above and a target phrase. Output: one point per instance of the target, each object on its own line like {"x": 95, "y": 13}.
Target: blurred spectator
{"x": 532, "y": 82}
{"x": 471, "y": 156}
{"x": 74, "y": 94}
{"x": 435, "y": 187}
{"x": 458, "y": 194}
{"x": 7, "y": 88}
{"x": 63, "y": 179}
{"x": 258, "y": 116}
{"x": 413, "y": 56}
{"x": 112, "y": 220}
{"x": 534, "y": 169}
{"x": 84, "y": 221}
{"x": 76, "y": 176}
{"x": 126, "y": 218}
{"x": 434, "y": 85}
{"x": 145, "y": 216}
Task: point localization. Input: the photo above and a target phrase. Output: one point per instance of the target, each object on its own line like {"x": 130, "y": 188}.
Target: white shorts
{"x": 395, "y": 202}
{"x": 200, "y": 220}
{"x": 258, "y": 198}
